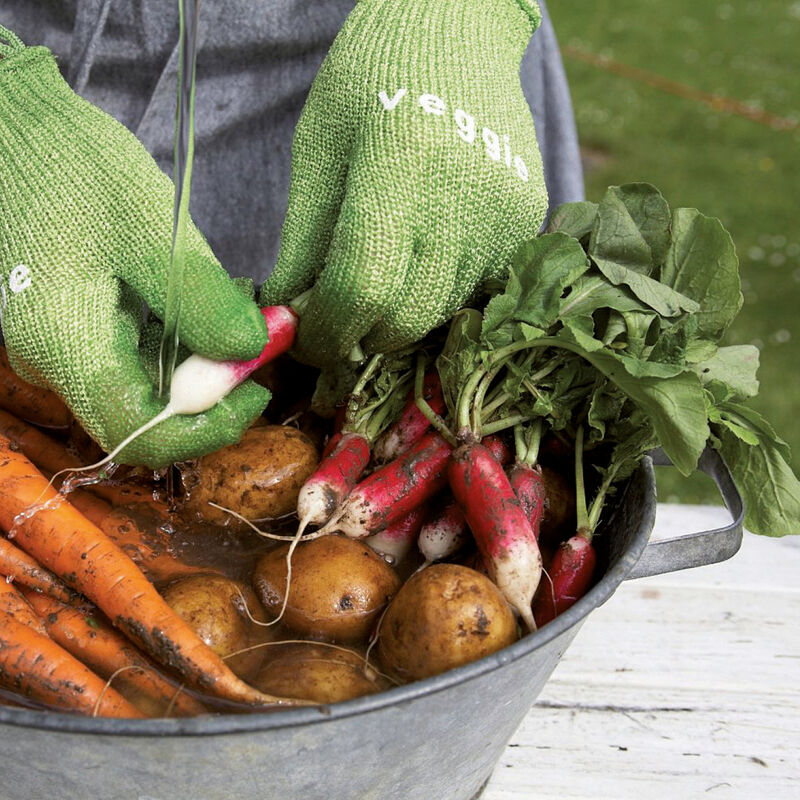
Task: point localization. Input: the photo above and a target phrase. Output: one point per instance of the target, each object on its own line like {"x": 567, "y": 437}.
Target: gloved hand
{"x": 85, "y": 237}
{"x": 415, "y": 173}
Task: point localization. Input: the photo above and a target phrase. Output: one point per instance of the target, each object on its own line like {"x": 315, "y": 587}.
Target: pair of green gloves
{"x": 415, "y": 175}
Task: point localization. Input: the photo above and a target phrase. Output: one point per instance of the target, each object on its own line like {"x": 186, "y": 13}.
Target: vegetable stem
{"x": 422, "y": 404}
{"x": 582, "y": 514}
{"x": 502, "y": 424}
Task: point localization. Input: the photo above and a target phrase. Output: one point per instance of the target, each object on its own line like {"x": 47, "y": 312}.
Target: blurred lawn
{"x": 745, "y": 173}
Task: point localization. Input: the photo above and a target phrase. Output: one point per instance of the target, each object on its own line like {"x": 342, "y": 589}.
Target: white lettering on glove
{"x": 19, "y": 279}
{"x": 465, "y": 128}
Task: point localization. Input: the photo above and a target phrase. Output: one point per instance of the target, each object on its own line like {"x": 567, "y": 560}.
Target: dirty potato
{"x": 338, "y": 588}
{"x": 443, "y": 617}
{"x": 214, "y": 607}
{"x": 312, "y": 671}
{"x": 259, "y": 477}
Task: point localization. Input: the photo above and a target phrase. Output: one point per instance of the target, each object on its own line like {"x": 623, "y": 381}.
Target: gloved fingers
{"x": 99, "y": 372}
{"x": 366, "y": 268}
{"x": 319, "y": 174}
{"x": 183, "y": 437}
{"x": 438, "y": 281}
{"x": 216, "y": 320}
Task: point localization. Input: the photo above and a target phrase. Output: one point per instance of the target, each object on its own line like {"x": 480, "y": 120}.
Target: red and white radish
{"x": 498, "y": 523}
{"x": 395, "y": 541}
{"x": 394, "y": 489}
{"x": 412, "y": 423}
{"x": 444, "y": 534}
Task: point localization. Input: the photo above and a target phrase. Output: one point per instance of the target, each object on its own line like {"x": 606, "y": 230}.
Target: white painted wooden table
{"x": 682, "y": 685}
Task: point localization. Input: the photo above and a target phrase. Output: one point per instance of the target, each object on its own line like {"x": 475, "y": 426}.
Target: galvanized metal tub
{"x": 436, "y": 739}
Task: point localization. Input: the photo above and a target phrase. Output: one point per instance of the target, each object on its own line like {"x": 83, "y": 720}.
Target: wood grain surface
{"x": 682, "y": 685}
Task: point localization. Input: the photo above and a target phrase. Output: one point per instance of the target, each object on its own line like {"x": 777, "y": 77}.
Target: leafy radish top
{"x": 611, "y": 321}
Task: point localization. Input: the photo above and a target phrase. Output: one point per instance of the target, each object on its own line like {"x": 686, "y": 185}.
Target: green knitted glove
{"x": 85, "y": 236}
{"x": 415, "y": 173}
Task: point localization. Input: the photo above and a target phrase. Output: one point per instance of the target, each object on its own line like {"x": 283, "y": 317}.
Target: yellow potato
{"x": 444, "y": 616}
{"x": 311, "y": 671}
{"x": 259, "y": 477}
{"x": 338, "y": 588}
{"x": 214, "y": 607}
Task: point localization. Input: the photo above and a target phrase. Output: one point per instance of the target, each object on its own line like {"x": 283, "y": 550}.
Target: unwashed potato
{"x": 312, "y": 671}
{"x": 214, "y": 607}
{"x": 444, "y": 616}
{"x": 259, "y": 477}
{"x": 338, "y": 588}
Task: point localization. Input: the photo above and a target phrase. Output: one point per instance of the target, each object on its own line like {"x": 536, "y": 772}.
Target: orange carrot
{"x": 138, "y": 534}
{"x": 35, "y": 666}
{"x": 65, "y": 542}
{"x": 33, "y": 403}
{"x": 52, "y": 456}
{"x": 13, "y": 603}
{"x": 92, "y": 641}
{"x": 17, "y": 565}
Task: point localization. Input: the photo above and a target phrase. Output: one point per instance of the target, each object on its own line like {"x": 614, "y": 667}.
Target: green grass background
{"x": 743, "y": 172}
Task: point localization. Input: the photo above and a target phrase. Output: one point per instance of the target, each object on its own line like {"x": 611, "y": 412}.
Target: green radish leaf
{"x": 660, "y": 298}
{"x": 749, "y": 418}
{"x": 616, "y": 238}
{"x": 540, "y": 271}
{"x": 574, "y": 219}
{"x": 702, "y": 264}
{"x": 638, "y": 325}
{"x": 730, "y": 371}
{"x": 769, "y": 488}
{"x": 461, "y": 354}
{"x": 592, "y": 291}
{"x": 649, "y": 212}
{"x": 674, "y": 404}
{"x": 699, "y": 350}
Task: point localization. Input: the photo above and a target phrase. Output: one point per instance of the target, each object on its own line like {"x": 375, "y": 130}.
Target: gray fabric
{"x": 255, "y": 65}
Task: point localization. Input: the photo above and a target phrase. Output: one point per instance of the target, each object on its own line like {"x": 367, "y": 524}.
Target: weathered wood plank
{"x": 682, "y": 685}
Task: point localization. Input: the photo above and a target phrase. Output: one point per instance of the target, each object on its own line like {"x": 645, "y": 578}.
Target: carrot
{"x": 35, "y": 666}
{"x": 64, "y": 541}
{"x": 498, "y": 523}
{"x": 412, "y": 424}
{"x": 33, "y": 403}
{"x": 18, "y": 566}
{"x": 394, "y": 489}
{"x": 138, "y": 533}
{"x": 93, "y": 642}
{"x": 51, "y": 456}
{"x": 13, "y": 603}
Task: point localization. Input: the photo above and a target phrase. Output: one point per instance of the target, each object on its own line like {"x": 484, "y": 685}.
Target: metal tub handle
{"x": 704, "y": 547}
